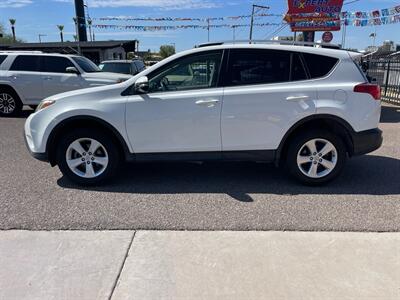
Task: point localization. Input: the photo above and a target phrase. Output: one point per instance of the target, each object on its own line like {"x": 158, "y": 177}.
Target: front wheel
{"x": 315, "y": 158}
{"x": 88, "y": 157}
{"x": 10, "y": 104}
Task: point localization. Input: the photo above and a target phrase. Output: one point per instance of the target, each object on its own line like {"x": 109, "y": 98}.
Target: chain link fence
{"x": 385, "y": 68}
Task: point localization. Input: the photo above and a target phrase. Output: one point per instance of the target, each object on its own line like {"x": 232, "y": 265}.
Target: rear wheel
{"x": 316, "y": 157}
{"x": 10, "y": 104}
{"x": 88, "y": 157}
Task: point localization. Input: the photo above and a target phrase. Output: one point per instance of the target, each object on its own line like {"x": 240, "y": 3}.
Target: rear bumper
{"x": 367, "y": 141}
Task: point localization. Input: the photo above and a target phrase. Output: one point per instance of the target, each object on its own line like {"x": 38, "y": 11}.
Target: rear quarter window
{"x": 2, "y": 58}
{"x": 319, "y": 65}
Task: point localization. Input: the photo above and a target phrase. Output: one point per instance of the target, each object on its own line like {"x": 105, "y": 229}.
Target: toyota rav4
{"x": 303, "y": 108}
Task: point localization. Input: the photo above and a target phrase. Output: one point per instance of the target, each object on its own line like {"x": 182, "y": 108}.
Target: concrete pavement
{"x": 199, "y": 265}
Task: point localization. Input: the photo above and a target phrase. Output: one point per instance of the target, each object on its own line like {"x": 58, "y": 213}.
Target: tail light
{"x": 373, "y": 89}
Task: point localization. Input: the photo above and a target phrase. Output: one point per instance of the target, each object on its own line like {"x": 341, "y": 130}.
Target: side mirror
{"x": 142, "y": 85}
{"x": 72, "y": 70}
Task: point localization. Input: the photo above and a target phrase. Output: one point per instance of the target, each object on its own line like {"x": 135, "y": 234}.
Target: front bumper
{"x": 367, "y": 141}
{"x": 39, "y": 156}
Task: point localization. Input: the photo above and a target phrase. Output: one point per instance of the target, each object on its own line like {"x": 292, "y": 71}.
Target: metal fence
{"x": 386, "y": 70}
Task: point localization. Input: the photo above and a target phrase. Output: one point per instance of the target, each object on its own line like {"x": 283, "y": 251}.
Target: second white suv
{"x": 27, "y": 78}
{"x": 304, "y": 108}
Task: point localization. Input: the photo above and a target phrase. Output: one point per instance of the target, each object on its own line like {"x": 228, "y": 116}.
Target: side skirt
{"x": 257, "y": 155}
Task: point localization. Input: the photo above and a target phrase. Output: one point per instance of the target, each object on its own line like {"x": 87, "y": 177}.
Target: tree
{"x": 12, "y": 23}
{"x": 167, "y": 50}
{"x": 61, "y": 28}
{"x": 7, "y": 38}
{"x": 75, "y": 37}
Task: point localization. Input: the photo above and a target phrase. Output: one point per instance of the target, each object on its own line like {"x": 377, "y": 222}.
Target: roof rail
{"x": 279, "y": 42}
{"x": 19, "y": 51}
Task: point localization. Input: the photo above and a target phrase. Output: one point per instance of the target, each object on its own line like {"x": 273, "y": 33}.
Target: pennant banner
{"x": 164, "y": 28}
{"x": 179, "y": 19}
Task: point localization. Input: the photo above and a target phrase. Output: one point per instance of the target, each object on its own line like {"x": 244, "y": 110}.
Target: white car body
{"x": 244, "y": 122}
{"x": 34, "y": 86}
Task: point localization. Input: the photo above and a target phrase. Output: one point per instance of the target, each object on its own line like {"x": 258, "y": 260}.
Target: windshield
{"x": 86, "y": 65}
{"x": 123, "y": 68}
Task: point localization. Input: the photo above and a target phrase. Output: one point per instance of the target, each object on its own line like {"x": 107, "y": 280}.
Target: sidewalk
{"x": 198, "y": 265}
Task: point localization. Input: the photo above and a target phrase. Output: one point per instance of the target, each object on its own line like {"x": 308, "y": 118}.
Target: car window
{"x": 298, "y": 71}
{"x": 258, "y": 66}
{"x": 54, "y": 64}
{"x": 139, "y": 65}
{"x": 134, "y": 68}
{"x": 122, "y": 68}
{"x": 28, "y": 63}
{"x": 193, "y": 72}
{"x": 319, "y": 65}
{"x": 2, "y": 58}
{"x": 86, "y": 65}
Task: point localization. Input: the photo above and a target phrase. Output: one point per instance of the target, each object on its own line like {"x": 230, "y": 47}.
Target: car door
{"x": 178, "y": 116}
{"x": 26, "y": 78}
{"x": 55, "y": 78}
{"x": 266, "y": 92}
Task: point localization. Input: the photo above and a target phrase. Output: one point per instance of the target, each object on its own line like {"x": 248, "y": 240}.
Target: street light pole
{"x": 252, "y": 18}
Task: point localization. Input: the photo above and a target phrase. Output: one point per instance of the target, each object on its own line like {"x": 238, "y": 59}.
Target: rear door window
{"x": 28, "y": 63}
{"x": 319, "y": 65}
{"x": 258, "y": 66}
{"x": 54, "y": 64}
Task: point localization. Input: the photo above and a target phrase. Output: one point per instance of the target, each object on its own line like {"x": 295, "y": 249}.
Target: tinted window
{"x": 123, "y": 68}
{"x": 194, "y": 72}
{"x": 86, "y": 65}
{"x": 2, "y": 58}
{"x": 258, "y": 67}
{"x": 318, "y": 65}
{"x": 139, "y": 65}
{"x": 298, "y": 71}
{"x": 55, "y": 64}
{"x": 26, "y": 63}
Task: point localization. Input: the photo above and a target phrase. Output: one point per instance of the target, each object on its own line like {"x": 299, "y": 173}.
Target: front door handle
{"x": 297, "y": 98}
{"x": 208, "y": 103}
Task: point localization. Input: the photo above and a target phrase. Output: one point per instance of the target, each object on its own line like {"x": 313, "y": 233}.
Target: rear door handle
{"x": 297, "y": 98}
{"x": 208, "y": 103}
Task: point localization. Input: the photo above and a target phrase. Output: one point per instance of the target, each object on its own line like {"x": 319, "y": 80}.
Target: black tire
{"x": 106, "y": 141}
{"x": 11, "y": 95}
{"x": 297, "y": 143}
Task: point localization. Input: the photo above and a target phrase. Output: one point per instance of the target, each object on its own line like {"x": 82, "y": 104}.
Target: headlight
{"x": 44, "y": 104}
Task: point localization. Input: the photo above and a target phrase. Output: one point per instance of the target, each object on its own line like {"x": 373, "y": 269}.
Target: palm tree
{"x": 75, "y": 37}
{"x": 12, "y": 23}
{"x": 61, "y": 28}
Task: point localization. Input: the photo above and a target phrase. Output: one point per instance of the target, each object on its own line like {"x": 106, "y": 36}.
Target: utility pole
{"x": 234, "y": 32}
{"x": 208, "y": 28}
{"x": 344, "y": 32}
{"x": 252, "y": 19}
{"x": 40, "y": 37}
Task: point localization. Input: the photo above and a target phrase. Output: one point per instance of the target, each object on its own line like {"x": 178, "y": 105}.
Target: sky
{"x": 36, "y": 17}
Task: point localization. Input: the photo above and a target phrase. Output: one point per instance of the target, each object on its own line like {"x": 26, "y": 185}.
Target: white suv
{"x": 26, "y": 78}
{"x": 304, "y": 108}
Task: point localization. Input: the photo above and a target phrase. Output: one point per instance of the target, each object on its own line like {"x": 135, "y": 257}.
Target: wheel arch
{"x": 86, "y": 122}
{"x": 325, "y": 121}
{"x": 8, "y": 86}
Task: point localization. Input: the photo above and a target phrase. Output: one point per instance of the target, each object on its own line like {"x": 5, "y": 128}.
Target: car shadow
{"x": 25, "y": 113}
{"x": 374, "y": 175}
{"x": 390, "y": 114}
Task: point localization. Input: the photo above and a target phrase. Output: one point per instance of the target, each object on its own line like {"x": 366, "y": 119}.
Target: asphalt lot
{"x": 209, "y": 196}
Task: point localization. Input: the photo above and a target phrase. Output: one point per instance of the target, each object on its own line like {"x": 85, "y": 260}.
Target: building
{"x": 95, "y": 51}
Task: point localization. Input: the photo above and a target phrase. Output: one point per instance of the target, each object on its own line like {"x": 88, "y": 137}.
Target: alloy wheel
{"x": 317, "y": 158}
{"x": 7, "y": 103}
{"x": 87, "y": 158}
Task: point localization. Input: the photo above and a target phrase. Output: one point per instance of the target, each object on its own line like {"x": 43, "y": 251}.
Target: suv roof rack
{"x": 279, "y": 42}
{"x": 19, "y": 51}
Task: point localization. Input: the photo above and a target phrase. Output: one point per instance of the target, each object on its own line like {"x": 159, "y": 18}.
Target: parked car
{"x": 131, "y": 67}
{"x": 26, "y": 78}
{"x": 303, "y": 108}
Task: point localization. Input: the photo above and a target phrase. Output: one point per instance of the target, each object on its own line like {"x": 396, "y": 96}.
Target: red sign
{"x": 327, "y": 37}
{"x": 314, "y": 15}
{"x": 315, "y": 6}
